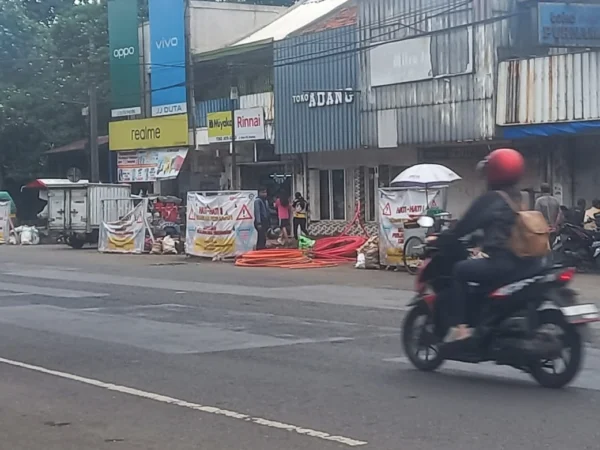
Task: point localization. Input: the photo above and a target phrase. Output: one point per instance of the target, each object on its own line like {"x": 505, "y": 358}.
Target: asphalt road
{"x": 122, "y": 352}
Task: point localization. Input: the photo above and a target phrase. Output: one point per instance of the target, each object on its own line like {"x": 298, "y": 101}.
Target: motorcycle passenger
{"x": 590, "y": 215}
{"x": 495, "y": 213}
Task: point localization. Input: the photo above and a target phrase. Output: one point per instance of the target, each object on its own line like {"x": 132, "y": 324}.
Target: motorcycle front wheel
{"x": 419, "y": 341}
{"x": 557, "y": 373}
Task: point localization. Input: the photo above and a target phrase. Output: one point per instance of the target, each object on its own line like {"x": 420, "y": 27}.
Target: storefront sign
{"x": 412, "y": 59}
{"x": 249, "y": 125}
{"x": 569, "y": 24}
{"x": 325, "y": 98}
{"x": 220, "y": 225}
{"x": 150, "y": 165}
{"x": 124, "y": 58}
{"x": 167, "y": 36}
{"x": 396, "y": 208}
{"x": 161, "y": 132}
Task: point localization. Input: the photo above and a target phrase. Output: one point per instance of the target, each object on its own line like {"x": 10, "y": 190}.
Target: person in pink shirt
{"x": 284, "y": 209}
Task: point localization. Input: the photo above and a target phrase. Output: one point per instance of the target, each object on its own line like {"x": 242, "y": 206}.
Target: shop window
{"x": 332, "y": 187}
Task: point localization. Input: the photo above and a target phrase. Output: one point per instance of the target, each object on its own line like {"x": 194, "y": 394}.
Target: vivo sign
{"x": 167, "y": 43}
{"x": 167, "y": 57}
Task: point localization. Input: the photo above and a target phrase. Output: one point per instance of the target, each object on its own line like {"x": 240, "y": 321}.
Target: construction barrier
{"x": 4, "y": 222}
{"x": 220, "y": 224}
{"x": 398, "y": 208}
{"x": 126, "y": 235}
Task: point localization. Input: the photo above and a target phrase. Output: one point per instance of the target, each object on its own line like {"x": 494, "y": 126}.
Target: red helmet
{"x": 504, "y": 166}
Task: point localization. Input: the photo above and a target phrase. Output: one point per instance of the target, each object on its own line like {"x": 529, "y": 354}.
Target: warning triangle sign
{"x": 244, "y": 213}
{"x": 387, "y": 210}
{"x": 191, "y": 215}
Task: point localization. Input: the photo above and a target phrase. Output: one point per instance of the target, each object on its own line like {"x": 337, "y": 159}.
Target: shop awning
{"x": 44, "y": 183}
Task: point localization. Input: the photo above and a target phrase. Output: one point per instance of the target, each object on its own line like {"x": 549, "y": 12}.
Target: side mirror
{"x": 425, "y": 221}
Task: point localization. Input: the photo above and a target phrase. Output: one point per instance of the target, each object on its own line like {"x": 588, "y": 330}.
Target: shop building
{"x": 428, "y": 79}
{"x": 246, "y": 67}
{"x": 549, "y": 95}
{"x": 318, "y": 117}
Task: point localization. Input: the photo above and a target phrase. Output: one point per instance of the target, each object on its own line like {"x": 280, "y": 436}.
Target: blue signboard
{"x": 569, "y": 24}
{"x": 167, "y": 56}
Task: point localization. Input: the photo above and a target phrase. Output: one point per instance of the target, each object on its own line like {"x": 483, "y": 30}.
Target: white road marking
{"x": 184, "y": 404}
{"x": 48, "y": 291}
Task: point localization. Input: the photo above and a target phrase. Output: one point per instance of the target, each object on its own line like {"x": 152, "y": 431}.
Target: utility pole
{"x": 94, "y": 157}
{"x": 233, "y": 96}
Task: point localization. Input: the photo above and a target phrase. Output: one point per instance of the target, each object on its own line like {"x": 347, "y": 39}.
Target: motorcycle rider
{"x": 494, "y": 213}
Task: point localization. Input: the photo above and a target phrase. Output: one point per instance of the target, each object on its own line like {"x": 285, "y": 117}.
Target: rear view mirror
{"x": 425, "y": 221}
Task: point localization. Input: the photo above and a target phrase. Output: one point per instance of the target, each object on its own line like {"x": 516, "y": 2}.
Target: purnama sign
{"x": 249, "y": 124}
{"x": 124, "y": 58}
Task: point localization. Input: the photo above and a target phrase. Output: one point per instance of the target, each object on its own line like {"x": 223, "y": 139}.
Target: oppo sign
{"x": 124, "y": 52}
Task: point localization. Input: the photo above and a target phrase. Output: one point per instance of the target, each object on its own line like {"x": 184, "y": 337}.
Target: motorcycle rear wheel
{"x": 572, "y": 341}
{"x": 411, "y": 339}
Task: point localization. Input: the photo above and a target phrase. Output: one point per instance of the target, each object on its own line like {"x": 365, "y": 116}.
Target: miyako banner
{"x": 124, "y": 58}
{"x": 397, "y": 207}
{"x": 126, "y": 235}
{"x": 167, "y": 56}
{"x": 4, "y": 222}
{"x": 220, "y": 224}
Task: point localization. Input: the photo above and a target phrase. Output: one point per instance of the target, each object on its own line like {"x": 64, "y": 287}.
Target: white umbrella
{"x": 425, "y": 176}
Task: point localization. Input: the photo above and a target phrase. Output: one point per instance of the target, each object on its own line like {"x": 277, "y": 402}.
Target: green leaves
{"x": 50, "y": 52}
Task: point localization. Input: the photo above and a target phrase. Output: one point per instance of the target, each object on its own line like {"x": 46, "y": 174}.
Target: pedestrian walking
{"x": 283, "y": 207}
{"x": 300, "y": 207}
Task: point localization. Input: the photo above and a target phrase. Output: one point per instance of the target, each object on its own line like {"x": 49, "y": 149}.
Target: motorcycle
{"x": 532, "y": 324}
{"x": 577, "y": 246}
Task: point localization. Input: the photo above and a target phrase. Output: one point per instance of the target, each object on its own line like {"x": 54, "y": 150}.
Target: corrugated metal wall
{"x": 323, "y": 61}
{"x": 559, "y": 88}
{"x": 445, "y": 109}
{"x": 208, "y": 106}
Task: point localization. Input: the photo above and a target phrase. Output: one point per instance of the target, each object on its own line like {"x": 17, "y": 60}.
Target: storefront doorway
{"x": 276, "y": 177}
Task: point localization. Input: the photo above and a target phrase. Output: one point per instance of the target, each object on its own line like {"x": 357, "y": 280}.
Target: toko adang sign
{"x": 325, "y": 98}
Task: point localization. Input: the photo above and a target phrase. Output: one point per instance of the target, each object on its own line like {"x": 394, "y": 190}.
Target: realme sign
{"x": 158, "y": 132}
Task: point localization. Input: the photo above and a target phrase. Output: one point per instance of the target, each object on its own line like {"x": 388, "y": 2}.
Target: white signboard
{"x": 149, "y": 165}
{"x": 221, "y": 224}
{"x": 401, "y": 62}
{"x": 249, "y": 124}
{"x": 396, "y": 208}
{"x": 127, "y": 235}
{"x": 4, "y": 222}
{"x": 414, "y": 59}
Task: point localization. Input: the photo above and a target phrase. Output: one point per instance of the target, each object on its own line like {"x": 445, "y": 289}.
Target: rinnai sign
{"x": 569, "y": 24}
{"x": 249, "y": 124}
{"x": 325, "y": 98}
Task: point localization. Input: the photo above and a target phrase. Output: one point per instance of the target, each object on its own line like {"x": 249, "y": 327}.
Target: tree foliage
{"x": 50, "y": 52}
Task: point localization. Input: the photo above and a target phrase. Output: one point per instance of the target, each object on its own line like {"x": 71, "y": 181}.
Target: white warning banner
{"x": 4, "y": 222}
{"x": 220, "y": 224}
{"x": 126, "y": 235}
{"x": 398, "y": 207}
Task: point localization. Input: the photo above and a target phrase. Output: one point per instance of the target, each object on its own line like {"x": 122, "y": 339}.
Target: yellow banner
{"x": 219, "y": 126}
{"x": 158, "y": 132}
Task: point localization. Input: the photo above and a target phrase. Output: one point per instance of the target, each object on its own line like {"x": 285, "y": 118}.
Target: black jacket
{"x": 491, "y": 214}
